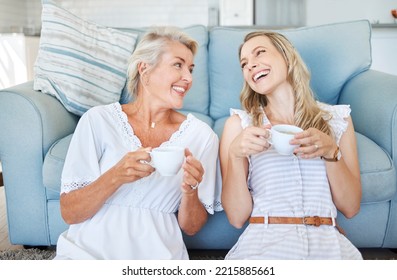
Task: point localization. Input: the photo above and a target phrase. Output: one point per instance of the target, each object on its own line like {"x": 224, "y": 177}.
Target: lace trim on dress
{"x": 216, "y": 206}
{"x": 208, "y": 207}
{"x": 128, "y": 132}
{"x": 338, "y": 122}
{"x": 246, "y": 119}
{"x": 182, "y": 128}
{"x": 122, "y": 122}
{"x": 68, "y": 187}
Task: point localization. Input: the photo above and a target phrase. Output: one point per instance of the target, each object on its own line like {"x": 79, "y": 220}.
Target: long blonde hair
{"x": 307, "y": 113}
{"x": 150, "y": 49}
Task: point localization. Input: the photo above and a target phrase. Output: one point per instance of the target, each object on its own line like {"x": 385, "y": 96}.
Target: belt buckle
{"x": 317, "y": 221}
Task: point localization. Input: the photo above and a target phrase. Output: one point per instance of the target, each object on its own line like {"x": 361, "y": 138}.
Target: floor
{"x": 369, "y": 253}
{"x": 4, "y": 242}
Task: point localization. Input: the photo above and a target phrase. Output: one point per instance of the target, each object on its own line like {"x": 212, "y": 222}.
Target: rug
{"x": 27, "y": 254}
{"x": 49, "y": 254}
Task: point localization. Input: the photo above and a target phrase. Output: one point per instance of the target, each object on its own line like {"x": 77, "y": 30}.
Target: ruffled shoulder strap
{"x": 246, "y": 119}
{"x": 337, "y": 119}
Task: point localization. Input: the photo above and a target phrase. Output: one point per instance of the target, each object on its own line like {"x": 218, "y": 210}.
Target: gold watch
{"x": 336, "y": 157}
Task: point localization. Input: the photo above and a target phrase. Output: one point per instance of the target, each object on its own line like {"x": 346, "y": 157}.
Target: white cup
{"x": 281, "y": 134}
{"x": 167, "y": 160}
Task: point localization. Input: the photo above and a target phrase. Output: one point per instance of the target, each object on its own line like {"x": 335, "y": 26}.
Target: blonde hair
{"x": 150, "y": 49}
{"x": 307, "y": 113}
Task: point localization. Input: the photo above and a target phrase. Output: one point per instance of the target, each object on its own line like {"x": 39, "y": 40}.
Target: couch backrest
{"x": 334, "y": 53}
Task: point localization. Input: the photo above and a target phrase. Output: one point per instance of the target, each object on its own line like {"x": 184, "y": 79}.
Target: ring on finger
{"x": 195, "y": 186}
{"x": 316, "y": 146}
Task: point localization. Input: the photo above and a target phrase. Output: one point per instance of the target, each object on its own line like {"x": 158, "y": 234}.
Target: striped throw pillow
{"x": 79, "y": 62}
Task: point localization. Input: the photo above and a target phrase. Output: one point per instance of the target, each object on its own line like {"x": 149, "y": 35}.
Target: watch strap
{"x": 334, "y": 158}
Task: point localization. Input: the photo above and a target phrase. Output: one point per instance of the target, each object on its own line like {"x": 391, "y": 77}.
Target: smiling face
{"x": 171, "y": 79}
{"x": 264, "y": 67}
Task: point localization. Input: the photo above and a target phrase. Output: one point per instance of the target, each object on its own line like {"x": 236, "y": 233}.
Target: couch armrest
{"x": 30, "y": 122}
{"x": 372, "y": 96}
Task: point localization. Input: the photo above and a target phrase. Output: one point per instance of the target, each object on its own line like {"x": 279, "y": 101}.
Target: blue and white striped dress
{"x": 292, "y": 187}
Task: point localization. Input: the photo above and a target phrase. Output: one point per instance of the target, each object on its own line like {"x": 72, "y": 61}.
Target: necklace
{"x": 153, "y": 124}
{"x": 137, "y": 111}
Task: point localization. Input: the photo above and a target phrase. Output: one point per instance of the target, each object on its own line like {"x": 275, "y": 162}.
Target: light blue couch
{"x": 35, "y": 130}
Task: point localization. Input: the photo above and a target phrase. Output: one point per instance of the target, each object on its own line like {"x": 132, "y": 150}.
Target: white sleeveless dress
{"x": 138, "y": 221}
{"x": 292, "y": 187}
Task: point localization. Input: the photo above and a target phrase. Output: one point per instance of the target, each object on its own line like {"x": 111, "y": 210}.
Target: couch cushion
{"x": 334, "y": 53}
{"x": 200, "y": 116}
{"x": 367, "y": 229}
{"x": 219, "y": 125}
{"x": 378, "y": 173}
{"x": 53, "y": 165}
{"x": 198, "y": 97}
{"x": 80, "y": 63}
{"x": 216, "y": 234}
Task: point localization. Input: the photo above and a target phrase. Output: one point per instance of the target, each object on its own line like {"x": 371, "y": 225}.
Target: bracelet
{"x": 336, "y": 157}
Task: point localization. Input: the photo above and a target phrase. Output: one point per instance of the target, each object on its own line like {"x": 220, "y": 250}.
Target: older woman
{"x": 117, "y": 205}
{"x": 290, "y": 201}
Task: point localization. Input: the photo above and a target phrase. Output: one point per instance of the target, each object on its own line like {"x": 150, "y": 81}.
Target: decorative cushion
{"x": 79, "y": 62}
{"x": 333, "y": 53}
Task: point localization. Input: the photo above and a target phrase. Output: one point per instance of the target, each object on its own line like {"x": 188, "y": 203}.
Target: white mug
{"x": 167, "y": 160}
{"x": 280, "y": 135}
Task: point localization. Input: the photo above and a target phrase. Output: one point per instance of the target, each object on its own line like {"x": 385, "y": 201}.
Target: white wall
{"x": 17, "y": 56}
{"x": 140, "y": 13}
{"x": 315, "y": 12}
{"x": 238, "y": 13}
{"x": 127, "y": 13}
{"x": 280, "y": 13}
{"x": 329, "y": 11}
{"x": 14, "y": 15}
{"x": 384, "y": 50}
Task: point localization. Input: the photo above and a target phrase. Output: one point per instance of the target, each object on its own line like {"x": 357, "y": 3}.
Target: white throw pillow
{"x": 79, "y": 62}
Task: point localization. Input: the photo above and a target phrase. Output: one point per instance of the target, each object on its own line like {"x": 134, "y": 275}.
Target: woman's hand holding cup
{"x": 252, "y": 140}
{"x": 314, "y": 143}
{"x": 132, "y": 167}
{"x": 193, "y": 173}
